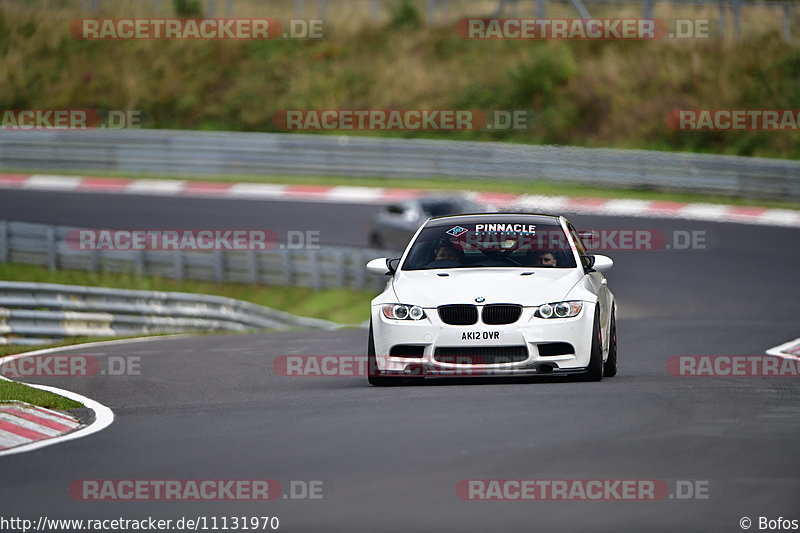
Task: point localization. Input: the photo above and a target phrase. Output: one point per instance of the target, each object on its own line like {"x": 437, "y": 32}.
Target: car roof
{"x": 499, "y": 217}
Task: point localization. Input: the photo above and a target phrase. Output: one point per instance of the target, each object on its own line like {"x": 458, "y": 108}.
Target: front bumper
{"x": 431, "y": 333}
{"x": 415, "y": 370}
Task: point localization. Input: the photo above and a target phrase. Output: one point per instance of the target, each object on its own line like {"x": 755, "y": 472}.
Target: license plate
{"x": 480, "y": 336}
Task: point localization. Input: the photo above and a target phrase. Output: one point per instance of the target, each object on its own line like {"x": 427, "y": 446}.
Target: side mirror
{"x": 602, "y": 263}
{"x": 383, "y": 266}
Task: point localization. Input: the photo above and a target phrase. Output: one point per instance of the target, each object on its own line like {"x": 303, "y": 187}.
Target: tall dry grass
{"x": 613, "y": 94}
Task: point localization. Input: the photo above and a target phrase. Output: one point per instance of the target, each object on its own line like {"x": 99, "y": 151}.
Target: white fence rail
{"x": 232, "y": 153}
{"x": 36, "y": 313}
{"x": 326, "y": 267}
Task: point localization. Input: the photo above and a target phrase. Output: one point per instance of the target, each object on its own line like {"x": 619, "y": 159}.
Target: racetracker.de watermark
{"x": 733, "y": 119}
{"x": 71, "y": 365}
{"x": 203, "y": 29}
{"x": 488, "y": 237}
{"x": 190, "y": 240}
{"x": 582, "y": 29}
{"x": 403, "y": 119}
{"x": 732, "y": 366}
{"x": 195, "y": 490}
{"x": 463, "y": 365}
{"x": 641, "y": 240}
{"x": 149, "y": 523}
{"x": 315, "y": 366}
{"x": 581, "y": 489}
{"x": 320, "y": 365}
{"x": 68, "y": 119}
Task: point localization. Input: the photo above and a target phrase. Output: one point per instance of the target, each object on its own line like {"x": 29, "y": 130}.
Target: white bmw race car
{"x": 492, "y": 295}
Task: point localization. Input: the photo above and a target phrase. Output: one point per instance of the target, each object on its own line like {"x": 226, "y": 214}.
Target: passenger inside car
{"x": 545, "y": 259}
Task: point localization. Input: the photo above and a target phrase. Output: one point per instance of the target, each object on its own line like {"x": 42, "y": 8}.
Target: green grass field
{"x": 10, "y": 390}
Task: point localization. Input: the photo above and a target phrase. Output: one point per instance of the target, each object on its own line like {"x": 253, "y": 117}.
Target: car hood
{"x": 496, "y": 285}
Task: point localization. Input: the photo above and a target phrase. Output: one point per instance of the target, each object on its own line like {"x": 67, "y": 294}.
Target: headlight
{"x": 416, "y": 313}
{"x": 403, "y": 312}
{"x": 559, "y": 310}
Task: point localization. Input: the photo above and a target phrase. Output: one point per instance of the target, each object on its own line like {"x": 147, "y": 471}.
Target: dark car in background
{"x": 395, "y": 223}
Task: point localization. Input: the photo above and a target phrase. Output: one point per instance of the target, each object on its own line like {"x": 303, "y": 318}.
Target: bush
{"x": 405, "y": 15}
{"x": 189, "y": 9}
{"x": 537, "y": 78}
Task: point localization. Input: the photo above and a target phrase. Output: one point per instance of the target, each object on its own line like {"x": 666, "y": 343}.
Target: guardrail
{"x": 232, "y": 153}
{"x": 327, "y": 267}
{"x": 37, "y": 313}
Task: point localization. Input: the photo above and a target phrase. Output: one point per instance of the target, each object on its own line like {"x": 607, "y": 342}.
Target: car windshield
{"x": 506, "y": 243}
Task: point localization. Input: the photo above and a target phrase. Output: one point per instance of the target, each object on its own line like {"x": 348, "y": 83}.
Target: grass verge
{"x": 460, "y": 185}
{"x": 11, "y": 390}
{"x": 344, "y": 306}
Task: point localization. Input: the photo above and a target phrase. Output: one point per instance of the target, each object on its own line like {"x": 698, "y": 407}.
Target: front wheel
{"x": 610, "y": 366}
{"x": 373, "y": 374}
{"x": 594, "y": 372}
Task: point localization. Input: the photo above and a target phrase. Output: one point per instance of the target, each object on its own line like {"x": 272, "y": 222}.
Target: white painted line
{"x": 103, "y": 415}
{"x": 255, "y": 190}
{"x": 578, "y": 205}
{"x": 783, "y": 350}
{"x": 344, "y": 193}
{"x": 356, "y": 194}
{"x": 27, "y": 424}
{"x": 626, "y": 207}
{"x": 782, "y": 217}
{"x": 542, "y": 203}
{"x": 704, "y": 212}
{"x": 156, "y": 186}
{"x": 97, "y": 344}
{"x": 49, "y": 182}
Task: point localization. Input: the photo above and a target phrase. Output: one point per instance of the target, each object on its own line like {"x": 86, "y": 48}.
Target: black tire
{"x": 373, "y": 374}
{"x": 594, "y": 372}
{"x": 610, "y": 366}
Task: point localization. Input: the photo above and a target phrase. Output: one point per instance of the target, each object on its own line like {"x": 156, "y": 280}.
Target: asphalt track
{"x": 337, "y": 225}
{"x": 212, "y": 407}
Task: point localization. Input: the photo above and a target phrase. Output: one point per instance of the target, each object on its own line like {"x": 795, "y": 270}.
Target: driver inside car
{"x": 447, "y": 254}
{"x": 544, "y": 259}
